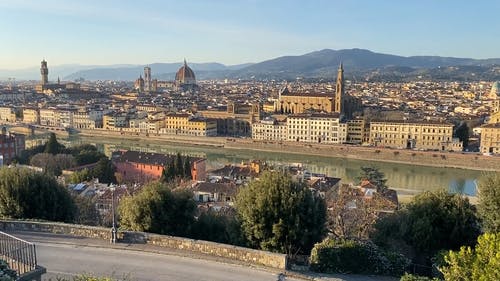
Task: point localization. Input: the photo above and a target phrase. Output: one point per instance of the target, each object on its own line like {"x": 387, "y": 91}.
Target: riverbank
{"x": 423, "y": 158}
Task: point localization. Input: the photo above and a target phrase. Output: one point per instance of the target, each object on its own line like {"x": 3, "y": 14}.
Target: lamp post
{"x": 113, "y": 228}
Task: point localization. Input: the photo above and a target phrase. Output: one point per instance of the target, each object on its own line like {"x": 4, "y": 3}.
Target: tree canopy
{"x": 30, "y": 195}
{"x": 53, "y": 146}
{"x": 479, "y": 263}
{"x": 374, "y": 176}
{"x": 462, "y": 133}
{"x": 433, "y": 221}
{"x": 489, "y": 201}
{"x": 280, "y": 215}
{"x": 158, "y": 209}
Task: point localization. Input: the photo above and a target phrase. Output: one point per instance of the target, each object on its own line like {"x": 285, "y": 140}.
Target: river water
{"x": 403, "y": 177}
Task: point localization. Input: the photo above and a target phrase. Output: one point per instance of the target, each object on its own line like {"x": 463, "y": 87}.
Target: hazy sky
{"x": 239, "y": 31}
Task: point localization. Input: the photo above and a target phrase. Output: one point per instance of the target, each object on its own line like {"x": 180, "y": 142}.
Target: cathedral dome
{"x": 495, "y": 91}
{"x": 185, "y": 75}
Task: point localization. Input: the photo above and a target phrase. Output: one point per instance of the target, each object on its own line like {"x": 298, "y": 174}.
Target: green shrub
{"x": 6, "y": 274}
{"x": 351, "y": 256}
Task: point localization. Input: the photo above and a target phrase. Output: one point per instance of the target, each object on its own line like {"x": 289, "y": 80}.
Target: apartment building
{"x": 88, "y": 119}
{"x": 270, "y": 129}
{"x": 358, "y": 131}
{"x": 414, "y": 135}
{"x": 188, "y": 125}
{"x": 114, "y": 121}
{"x": 316, "y": 128}
{"x": 49, "y": 117}
{"x": 490, "y": 138}
{"x": 7, "y": 114}
{"x": 31, "y": 116}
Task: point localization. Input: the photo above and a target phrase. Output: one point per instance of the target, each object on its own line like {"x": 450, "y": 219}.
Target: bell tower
{"x": 339, "y": 91}
{"x": 44, "y": 70}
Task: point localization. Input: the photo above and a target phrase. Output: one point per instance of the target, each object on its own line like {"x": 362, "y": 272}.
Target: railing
{"x": 19, "y": 254}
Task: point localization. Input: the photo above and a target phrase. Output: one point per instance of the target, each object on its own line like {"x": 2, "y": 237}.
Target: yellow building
{"x": 188, "y": 125}
{"x": 31, "y": 116}
{"x": 236, "y": 120}
{"x": 114, "y": 121}
{"x": 7, "y": 114}
{"x": 490, "y": 138}
{"x": 357, "y": 131}
{"x": 49, "y": 117}
{"x": 414, "y": 135}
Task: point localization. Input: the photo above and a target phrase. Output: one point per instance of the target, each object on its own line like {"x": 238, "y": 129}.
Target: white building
{"x": 269, "y": 129}
{"x": 316, "y": 128}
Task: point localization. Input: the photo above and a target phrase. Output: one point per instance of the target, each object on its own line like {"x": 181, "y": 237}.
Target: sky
{"x": 103, "y": 32}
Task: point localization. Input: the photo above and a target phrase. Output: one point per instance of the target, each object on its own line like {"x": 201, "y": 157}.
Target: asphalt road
{"x": 65, "y": 259}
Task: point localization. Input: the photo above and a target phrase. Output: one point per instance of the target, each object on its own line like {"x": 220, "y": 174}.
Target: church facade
{"x": 339, "y": 102}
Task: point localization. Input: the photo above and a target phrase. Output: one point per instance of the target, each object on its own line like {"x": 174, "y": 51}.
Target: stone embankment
{"x": 228, "y": 252}
{"x": 472, "y": 161}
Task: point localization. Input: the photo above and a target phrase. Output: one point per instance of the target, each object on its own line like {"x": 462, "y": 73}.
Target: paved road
{"x": 62, "y": 257}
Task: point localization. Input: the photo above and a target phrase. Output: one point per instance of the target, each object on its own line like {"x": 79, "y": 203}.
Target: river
{"x": 403, "y": 177}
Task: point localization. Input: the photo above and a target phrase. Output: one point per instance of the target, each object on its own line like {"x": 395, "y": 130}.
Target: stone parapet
{"x": 229, "y": 252}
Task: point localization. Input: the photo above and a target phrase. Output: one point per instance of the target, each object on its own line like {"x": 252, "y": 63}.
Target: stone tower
{"x": 339, "y": 91}
{"x": 44, "y": 70}
{"x": 147, "y": 79}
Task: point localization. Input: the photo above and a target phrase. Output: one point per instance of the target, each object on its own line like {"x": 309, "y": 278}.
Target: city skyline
{"x": 115, "y": 32}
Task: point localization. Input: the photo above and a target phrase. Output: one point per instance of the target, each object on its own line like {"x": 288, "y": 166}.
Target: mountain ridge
{"x": 317, "y": 64}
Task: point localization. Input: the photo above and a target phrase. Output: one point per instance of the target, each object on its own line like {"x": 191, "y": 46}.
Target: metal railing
{"x": 19, "y": 254}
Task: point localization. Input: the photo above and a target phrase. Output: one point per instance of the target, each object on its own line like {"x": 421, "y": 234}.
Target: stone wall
{"x": 244, "y": 255}
{"x": 57, "y": 228}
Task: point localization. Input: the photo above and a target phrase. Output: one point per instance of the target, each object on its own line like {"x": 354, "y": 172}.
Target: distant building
{"x": 188, "y": 125}
{"x": 44, "y": 71}
{"x": 147, "y": 79}
{"x": 339, "y": 102}
{"x": 490, "y": 138}
{"x": 11, "y": 145}
{"x": 495, "y": 91}
{"x": 236, "y": 119}
{"x": 414, "y": 135}
{"x": 135, "y": 166}
{"x": 316, "y": 128}
{"x": 269, "y": 129}
{"x": 185, "y": 78}
{"x": 139, "y": 84}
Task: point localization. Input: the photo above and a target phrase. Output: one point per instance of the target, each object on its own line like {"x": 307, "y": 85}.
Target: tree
{"x": 104, "y": 171}
{"x": 218, "y": 226}
{"x": 53, "y": 146}
{"x": 187, "y": 168}
{"x": 375, "y": 177}
{"x": 80, "y": 176}
{"x": 462, "y": 133}
{"x": 86, "y": 212}
{"x": 280, "y": 215}
{"x": 351, "y": 216}
{"x": 179, "y": 168}
{"x": 489, "y": 201}
{"x": 30, "y": 195}
{"x": 433, "y": 221}
{"x": 480, "y": 263}
{"x": 157, "y": 209}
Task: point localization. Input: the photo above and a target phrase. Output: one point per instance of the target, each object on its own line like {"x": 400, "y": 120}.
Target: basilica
{"x": 339, "y": 102}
